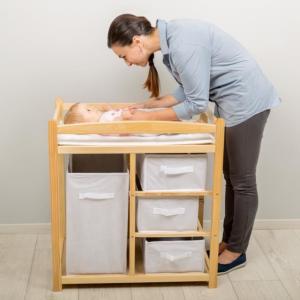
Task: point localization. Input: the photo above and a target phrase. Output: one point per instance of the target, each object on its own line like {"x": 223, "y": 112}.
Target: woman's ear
{"x": 137, "y": 40}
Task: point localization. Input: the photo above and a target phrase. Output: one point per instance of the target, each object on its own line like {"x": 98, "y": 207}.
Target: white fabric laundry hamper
{"x": 168, "y": 214}
{"x": 169, "y": 256}
{"x": 172, "y": 171}
{"x": 96, "y": 222}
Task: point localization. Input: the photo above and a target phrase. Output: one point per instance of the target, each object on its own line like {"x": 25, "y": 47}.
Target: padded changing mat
{"x": 145, "y": 139}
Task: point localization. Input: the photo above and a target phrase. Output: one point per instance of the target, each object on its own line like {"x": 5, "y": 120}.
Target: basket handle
{"x": 96, "y": 196}
{"x": 176, "y": 171}
{"x": 168, "y": 211}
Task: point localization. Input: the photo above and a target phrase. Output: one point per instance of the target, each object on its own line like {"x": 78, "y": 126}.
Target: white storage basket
{"x": 96, "y": 222}
{"x": 171, "y": 256}
{"x": 168, "y": 214}
{"x": 172, "y": 171}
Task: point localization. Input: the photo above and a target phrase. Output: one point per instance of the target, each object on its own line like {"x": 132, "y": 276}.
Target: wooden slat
{"x": 136, "y": 149}
{"x": 62, "y": 200}
{"x": 58, "y": 113}
{"x": 137, "y": 278}
{"x": 55, "y": 207}
{"x": 61, "y": 246}
{"x": 157, "y": 127}
{"x": 200, "y": 233}
{"x": 206, "y": 258}
{"x": 160, "y": 193}
{"x": 216, "y": 204}
{"x": 132, "y": 213}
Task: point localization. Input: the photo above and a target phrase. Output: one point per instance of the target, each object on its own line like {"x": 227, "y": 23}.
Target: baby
{"x": 82, "y": 113}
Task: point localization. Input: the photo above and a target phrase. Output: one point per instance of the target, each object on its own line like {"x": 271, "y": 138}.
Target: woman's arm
{"x": 193, "y": 65}
{"x": 164, "y": 101}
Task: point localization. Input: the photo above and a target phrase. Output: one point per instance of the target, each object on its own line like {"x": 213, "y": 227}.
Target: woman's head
{"x": 128, "y": 36}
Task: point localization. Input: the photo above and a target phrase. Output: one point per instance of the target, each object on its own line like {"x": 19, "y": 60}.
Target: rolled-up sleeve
{"x": 192, "y": 63}
{"x": 179, "y": 94}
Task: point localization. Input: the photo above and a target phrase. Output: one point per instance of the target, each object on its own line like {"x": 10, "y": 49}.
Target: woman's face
{"x": 134, "y": 54}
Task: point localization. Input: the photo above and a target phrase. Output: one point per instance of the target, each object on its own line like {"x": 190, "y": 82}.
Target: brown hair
{"x": 121, "y": 31}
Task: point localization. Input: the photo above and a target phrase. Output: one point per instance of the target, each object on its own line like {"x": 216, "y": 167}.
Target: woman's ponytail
{"x": 152, "y": 82}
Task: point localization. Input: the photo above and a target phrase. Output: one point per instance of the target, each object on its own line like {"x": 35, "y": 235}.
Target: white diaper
{"x": 111, "y": 115}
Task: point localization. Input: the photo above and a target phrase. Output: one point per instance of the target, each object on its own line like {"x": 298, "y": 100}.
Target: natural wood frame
{"x": 207, "y": 124}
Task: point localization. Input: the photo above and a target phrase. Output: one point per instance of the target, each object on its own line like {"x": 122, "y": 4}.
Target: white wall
{"x": 50, "y": 48}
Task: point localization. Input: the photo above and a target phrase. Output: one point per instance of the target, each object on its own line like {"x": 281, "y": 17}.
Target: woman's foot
{"x": 222, "y": 247}
{"x": 227, "y": 257}
{"x": 229, "y": 261}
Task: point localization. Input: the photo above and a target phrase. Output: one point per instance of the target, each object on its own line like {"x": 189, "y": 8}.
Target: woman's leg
{"x": 242, "y": 144}
{"x": 229, "y": 200}
{"x": 229, "y": 203}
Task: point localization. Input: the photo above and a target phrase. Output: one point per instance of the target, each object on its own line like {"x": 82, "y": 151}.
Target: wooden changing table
{"x": 134, "y": 273}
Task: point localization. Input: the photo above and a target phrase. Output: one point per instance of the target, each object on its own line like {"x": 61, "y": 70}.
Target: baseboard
{"x": 44, "y": 228}
{"x": 269, "y": 224}
{"x": 264, "y": 224}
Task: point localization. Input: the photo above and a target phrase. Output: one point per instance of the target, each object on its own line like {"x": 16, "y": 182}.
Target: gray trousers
{"x": 241, "y": 151}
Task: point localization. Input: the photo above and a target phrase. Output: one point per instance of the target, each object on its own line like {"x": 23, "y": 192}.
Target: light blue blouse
{"x": 209, "y": 65}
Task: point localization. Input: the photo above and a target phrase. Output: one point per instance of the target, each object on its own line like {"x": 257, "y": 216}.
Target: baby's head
{"x": 82, "y": 113}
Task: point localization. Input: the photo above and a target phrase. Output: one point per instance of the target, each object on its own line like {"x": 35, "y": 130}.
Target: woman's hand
{"x": 127, "y": 114}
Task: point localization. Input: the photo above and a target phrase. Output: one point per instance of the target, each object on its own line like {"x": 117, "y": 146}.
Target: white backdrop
{"x": 58, "y": 48}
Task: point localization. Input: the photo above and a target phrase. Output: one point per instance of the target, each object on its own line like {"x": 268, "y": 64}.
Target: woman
{"x": 209, "y": 65}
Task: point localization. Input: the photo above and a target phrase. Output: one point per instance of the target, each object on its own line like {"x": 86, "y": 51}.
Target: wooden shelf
{"x": 179, "y": 193}
{"x": 136, "y": 149}
{"x": 159, "y": 234}
{"x": 138, "y": 277}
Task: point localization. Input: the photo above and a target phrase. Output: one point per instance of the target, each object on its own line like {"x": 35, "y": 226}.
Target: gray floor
{"x": 272, "y": 272}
